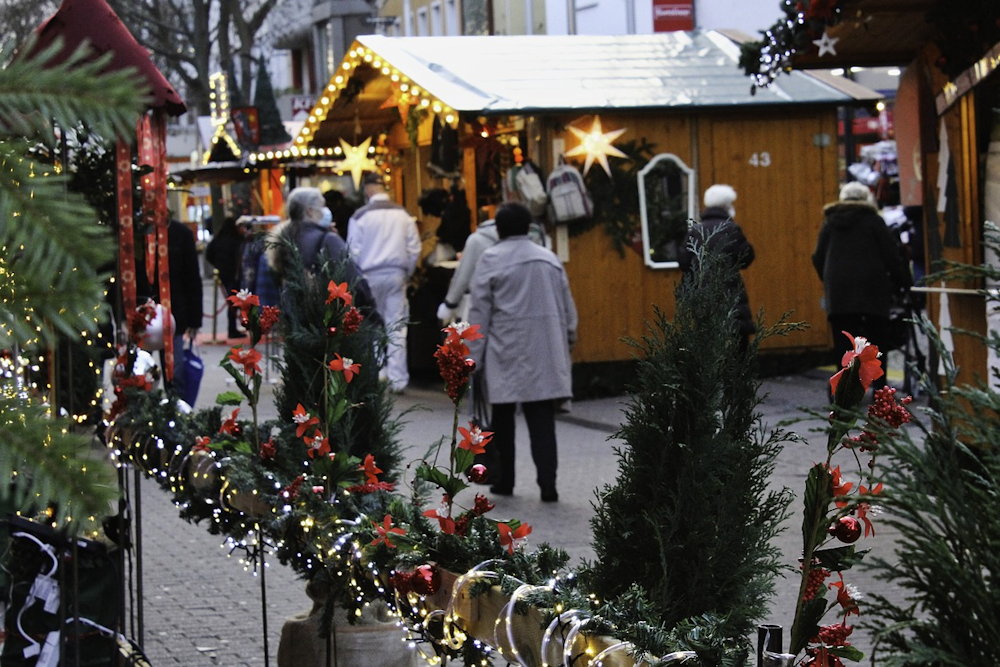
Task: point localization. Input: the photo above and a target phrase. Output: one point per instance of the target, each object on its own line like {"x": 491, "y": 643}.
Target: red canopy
{"x": 94, "y": 21}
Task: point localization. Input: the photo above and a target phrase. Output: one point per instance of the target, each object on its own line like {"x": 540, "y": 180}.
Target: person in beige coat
{"x": 522, "y": 303}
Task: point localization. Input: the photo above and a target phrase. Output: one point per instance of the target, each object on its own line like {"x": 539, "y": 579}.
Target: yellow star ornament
{"x": 596, "y": 145}
{"x": 356, "y": 160}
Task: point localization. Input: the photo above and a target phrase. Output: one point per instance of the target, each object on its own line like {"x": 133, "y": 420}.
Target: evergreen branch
{"x": 49, "y": 466}
{"x": 36, "y": 91}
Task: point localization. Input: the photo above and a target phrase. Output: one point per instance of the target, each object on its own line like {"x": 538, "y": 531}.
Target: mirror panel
{"x": 666, "y": 203}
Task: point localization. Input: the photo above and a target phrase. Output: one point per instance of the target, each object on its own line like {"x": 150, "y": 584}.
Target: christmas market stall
{"x": 623, "y": 134}
{"x": 946, "y": 127}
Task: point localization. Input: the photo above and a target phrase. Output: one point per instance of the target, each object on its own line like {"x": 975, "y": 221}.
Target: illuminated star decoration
{"x": 596, "y": 145}
{"x": 826, "y": 44}
{"x": 400, "y": 100}
{"x": 356, "y": 160}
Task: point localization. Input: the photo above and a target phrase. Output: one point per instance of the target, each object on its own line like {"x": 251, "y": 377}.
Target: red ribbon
{"x": 126, "y": 241}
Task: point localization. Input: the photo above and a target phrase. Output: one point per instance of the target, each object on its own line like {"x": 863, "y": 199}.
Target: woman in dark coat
{"x": 720, "y": 233}
{"x": 223, "y": 252}
{"x": 861, "y": 266}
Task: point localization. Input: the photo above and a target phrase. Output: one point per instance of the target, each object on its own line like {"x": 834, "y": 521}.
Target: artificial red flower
{"x": 385, "y": 530}
{"x": 346, "y": 366}
{"x": 510, "y": 537}
{"x": 229, "y": 425}
{"x": 847, "y": 597}
{"x": 201, "y": 444}
{"x": 371, "y": 487}
{"x": 839, "y": 488}
{"x": 303, "y": 420}
{"x": 243, "y": 300}
{"x": 474, "y": 439}
{"x": 482, "y": 505}
{"x": 371, "y": 470}
{"x": 461, "y": 331}
{"x": 863, "y": 509}
{"x": 867, "y": 355}
{"x": 291, "y": 491}
{"x": 455, "y": 367}
{"x": 248, "y": 357}
{"x": 446, "y": 523}
{"x": 834, "y": 635}
{"x": 335, "y": 291}
{"x": 318, "y": 445}
{"x": 268, "y": 450}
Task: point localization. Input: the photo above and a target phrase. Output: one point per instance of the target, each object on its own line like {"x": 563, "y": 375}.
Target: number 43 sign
{"x": 762, "y": 159}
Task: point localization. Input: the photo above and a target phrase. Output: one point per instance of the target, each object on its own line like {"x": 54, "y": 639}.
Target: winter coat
{"x": 523, "y": 306}
{"x": 484, "y": 237}
{"x": 382, "y": 235}
{"x": 223, "y": 252}
{"x": 722, "y": 235}
{"x": 859, "y": 262}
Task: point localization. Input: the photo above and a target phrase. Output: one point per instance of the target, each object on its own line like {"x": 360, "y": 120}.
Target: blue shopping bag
{"x": 194, "y": 369}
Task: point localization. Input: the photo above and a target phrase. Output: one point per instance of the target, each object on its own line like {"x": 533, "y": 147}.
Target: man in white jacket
{"x": 384, "y": 242}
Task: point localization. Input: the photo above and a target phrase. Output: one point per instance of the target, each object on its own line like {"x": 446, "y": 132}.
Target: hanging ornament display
{"x": 826, "y": 44}
{"x": 596, "y": 145}
{"x": 401, "y": 100}
{"x": 356, "y": 160}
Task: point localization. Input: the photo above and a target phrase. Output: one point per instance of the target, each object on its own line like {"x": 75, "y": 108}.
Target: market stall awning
{"x": 482, "y": 75}
{"x": 94, "y": 22}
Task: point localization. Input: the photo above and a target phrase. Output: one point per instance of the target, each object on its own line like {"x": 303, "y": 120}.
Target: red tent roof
{"x": 94, "y": 21}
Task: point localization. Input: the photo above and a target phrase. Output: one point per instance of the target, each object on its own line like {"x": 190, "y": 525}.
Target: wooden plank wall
{"x": 779, "y": 207}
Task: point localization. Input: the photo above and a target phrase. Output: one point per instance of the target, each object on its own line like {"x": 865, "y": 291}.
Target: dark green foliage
{"x": 616, "y": 197}
{"x": 943, "y": 496}
{"x": 272, "y": 130}
{"x": 690, "y": 518}
{"x": 368, "y": 427}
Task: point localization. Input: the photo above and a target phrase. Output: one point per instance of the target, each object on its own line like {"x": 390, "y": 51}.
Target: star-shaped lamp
{"x": 596, "y": 145}
{"x": 356, "y": 160}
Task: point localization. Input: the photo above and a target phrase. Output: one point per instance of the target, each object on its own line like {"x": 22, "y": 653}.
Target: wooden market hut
{"x": 679, "y": 95}
{"x": 947, "y": 128}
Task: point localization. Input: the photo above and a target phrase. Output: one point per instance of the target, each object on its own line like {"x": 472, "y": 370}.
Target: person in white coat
{"x": 384, "y": 242}
{"x": 484, "y": 237}
{"x": 522, "y": 303}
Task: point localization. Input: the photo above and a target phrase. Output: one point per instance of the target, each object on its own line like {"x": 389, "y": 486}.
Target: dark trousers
{"x": 540, "y": 416}
{"x": 871, "y": 327}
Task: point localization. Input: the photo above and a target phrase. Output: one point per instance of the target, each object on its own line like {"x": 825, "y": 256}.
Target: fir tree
{"x": 368, "y": 427}
{"x": 690, "y": 517}
{"x": 50, "y": 281}
{"x": 272, "y": 130}
{"x": 942, "y": 495}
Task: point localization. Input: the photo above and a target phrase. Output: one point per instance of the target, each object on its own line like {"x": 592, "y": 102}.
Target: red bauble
{"x": 402, "y": 581}
{"x": 477, "y": 473}
{"x": 847, "y": 529}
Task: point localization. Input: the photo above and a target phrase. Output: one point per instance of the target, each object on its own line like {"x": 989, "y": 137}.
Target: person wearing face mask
{"x": 309, "y": 230}
{"x": 384, "y": 242}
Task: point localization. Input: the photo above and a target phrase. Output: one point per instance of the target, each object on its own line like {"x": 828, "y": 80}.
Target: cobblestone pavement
{"x": 201, "y": 608}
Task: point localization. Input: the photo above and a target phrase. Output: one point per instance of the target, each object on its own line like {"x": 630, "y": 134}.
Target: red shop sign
{"x": 673, "y": 15}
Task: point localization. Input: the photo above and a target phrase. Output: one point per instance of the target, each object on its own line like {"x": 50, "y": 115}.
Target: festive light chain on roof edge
{"x": 355, "y": 57}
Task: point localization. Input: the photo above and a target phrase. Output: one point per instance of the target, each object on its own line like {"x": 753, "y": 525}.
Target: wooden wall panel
{"x": 783, "y": 175}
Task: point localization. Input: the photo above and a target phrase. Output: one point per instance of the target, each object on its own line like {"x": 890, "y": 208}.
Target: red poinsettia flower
{"x": 229, "y": 425}
{"x": 335, "y": 291}
{"x": 474, "y": 439}
{"x": 319, "y": 445}
{"x": 847, "y": 597}
{"x": 371, "y": 470}
{"x": 445, "y": 522}
{"x": 303, "y": 420}
{"x": 863, "y": 509}
{"x": 201, "y": 444}
{"x": 243, "y": 300}
{"x": 385, "y": 530}
{"x": 839, "y": 488}
{"x": 248, "y": 358}
{"x": 867, "y": 355}
{"x": 511, "y": 537}
{"x": 346, "y": 366}
{"x": 461, "y": 331}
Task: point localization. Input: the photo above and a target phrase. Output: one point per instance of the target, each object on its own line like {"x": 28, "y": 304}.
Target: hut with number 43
{"x": 648, "y": 122}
